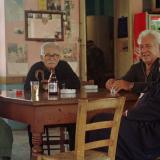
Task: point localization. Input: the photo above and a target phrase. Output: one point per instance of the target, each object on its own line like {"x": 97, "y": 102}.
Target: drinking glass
{"x": 113, "y": 91}
{"x": 34, "y": 89}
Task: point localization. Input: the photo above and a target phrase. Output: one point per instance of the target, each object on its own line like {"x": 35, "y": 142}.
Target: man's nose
{"x": 143, "y": 49}
{"x": 52, "y": 57}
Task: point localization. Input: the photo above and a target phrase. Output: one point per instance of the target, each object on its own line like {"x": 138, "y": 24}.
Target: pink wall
{"x": 2, "y": 41}
{"x": 33, "y": 47}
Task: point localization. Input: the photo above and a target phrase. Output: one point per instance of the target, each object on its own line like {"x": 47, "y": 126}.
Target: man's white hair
{"x": 145, "y": 33}
{"x": 48, "y": 45}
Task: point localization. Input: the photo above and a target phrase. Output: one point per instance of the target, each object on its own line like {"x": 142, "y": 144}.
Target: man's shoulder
{"x": 63, "y": 62}
{"x": 63, "y": 65}
{"x": 137, "y": 64}
{"x": 39, "y": 64}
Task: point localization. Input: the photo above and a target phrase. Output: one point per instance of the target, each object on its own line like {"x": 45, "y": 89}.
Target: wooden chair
{"x": 83, "y": 150}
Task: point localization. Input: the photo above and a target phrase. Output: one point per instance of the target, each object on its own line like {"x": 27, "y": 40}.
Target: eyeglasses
{"x": 145, "y": 46}
{"x": 50, "y": 55}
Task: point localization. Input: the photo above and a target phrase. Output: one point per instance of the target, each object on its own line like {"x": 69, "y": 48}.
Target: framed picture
{"x": 44, "y": 26}
{"x": 155, "y": 5}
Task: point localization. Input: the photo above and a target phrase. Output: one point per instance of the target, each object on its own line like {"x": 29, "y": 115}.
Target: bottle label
{"x": 53, "y": 87}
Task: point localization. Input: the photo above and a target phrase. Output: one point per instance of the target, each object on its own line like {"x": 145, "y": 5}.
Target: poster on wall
{"x": 38, "y": 27}
{"x": 70, "y": 51}
{"x": 54, "y": 5}
{"x": 17, "y": 59}
{"x": 38, "y": 22}
{"x": 14, "y": 10}
{"x": 42, "y": 5}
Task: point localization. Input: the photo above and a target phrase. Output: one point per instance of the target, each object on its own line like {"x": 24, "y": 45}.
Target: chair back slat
{"x": 99, "y": 125}
{"x": 98, "y": 144}
{"x": 102, "y": 104}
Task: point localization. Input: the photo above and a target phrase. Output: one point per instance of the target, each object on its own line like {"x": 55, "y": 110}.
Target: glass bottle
{"x": 52, "y": 84}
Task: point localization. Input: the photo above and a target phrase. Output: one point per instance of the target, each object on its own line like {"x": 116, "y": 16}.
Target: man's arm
{"x": 136, "y": 75}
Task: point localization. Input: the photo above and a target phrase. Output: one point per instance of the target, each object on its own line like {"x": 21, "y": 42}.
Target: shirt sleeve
{"x": 147, "y": 107}
{"x": 131, "y": 74}
{"x": 137, "y": 76}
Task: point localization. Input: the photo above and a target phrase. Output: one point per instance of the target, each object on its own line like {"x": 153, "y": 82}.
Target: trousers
{"x": 6, "y": 139}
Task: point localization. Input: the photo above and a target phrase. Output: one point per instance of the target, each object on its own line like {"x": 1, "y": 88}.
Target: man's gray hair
{"x": 48, "y": 45}
{"x": 145, "y": 33}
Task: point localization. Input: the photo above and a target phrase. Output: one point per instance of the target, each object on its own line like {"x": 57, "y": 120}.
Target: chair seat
{"x": 89, "y": 155}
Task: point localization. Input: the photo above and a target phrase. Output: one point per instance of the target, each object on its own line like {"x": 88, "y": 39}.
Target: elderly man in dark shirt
{"x": 145, "y": 72}
{"x": 139, "y": 134}
{"x": 40, "y": 71}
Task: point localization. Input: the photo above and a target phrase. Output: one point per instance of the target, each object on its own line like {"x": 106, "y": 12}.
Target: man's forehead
{"x": 149, "y": 43}
{"x": 51, "y": 51}
{"x": 148, "y": 38}
{"x": 51, "y": 54}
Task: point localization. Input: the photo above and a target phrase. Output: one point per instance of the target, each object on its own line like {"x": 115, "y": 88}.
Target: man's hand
{"x": 122, "y": 85}
{"x": 109, "y": 83}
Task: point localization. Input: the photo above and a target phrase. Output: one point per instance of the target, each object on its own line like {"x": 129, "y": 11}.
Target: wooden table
{"x": 46, "y": 110}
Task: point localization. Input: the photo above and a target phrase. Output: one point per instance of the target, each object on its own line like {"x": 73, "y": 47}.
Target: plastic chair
{"x": 83, "y": 150}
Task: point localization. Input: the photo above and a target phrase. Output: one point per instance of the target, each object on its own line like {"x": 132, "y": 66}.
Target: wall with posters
{"x": 21, "y": 54}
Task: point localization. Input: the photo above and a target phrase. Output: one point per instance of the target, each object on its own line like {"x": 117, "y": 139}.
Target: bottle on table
{"x": 53, "y": 84}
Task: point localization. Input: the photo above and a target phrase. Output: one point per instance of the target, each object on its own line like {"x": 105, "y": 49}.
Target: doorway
{"x": 100, "y": 29}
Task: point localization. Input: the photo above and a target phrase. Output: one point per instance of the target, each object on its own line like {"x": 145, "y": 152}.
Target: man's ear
{"x": 42, "y": 57}
{"x": 61, "y": 56}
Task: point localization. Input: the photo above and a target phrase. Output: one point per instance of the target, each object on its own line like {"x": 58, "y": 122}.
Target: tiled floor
{"x": 21, "y": 149}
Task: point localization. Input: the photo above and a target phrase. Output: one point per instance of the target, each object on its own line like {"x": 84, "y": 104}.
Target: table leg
{"x": 37, "y": 144}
